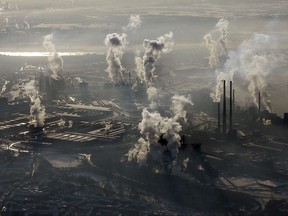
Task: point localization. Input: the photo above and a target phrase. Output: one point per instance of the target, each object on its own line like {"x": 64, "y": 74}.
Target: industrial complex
{"x": 140, "y": 126}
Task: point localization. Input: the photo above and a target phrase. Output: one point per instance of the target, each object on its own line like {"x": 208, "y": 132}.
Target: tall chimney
{"x": 259, "y": 103}
{"x": 233, "y": 100}
{"x": 231, "y": 104}
{"x": 224, "y": 107}
{"x": 183, "y": 140}
{"x": 219, "y": 116}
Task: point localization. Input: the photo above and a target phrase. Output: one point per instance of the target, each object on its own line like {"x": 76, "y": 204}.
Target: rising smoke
{"x": 55, "y": 62}
{"x": 140, "y": 71}
{"x": 134, "y": 23}
{"x": 153, "y": 50}
{"x": 116, "y": 44}
{"x": 178, "y": 107}
{"x": 153, "y": 97}
{"x": 154, "y": 127}
{"x": 4, "y": 87}
{"x": 217, "y": 93}
{"x": 30, "y": 90}
{"x": 37, "y": 113}
{"x": 252, "y": 62}
{"x": 215, "y": 41}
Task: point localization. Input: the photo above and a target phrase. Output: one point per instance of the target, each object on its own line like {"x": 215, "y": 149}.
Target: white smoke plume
{"x": 178, "y": 107}
{"x": 37, "y": 113}
{"x": 26, "y": 25}
{"x": 4, "y": 87}
{"x": 30, "y": 90}
{"x": 153, "y": 97}
{"x": 153, "y": 51}
{"x": 154, "y": 127}
{"x": 215, "y": 41}
{"x": 116, "y": 44}
{"x": 140, "y": 71}
{"x": 253, "y": 61}
{"x": 61, "y": 123}
{"x": 134, "y": 23}
{"x": 55, "y": 62}
{"x": 24, "y": 90}
{"x": 217, "y": 93}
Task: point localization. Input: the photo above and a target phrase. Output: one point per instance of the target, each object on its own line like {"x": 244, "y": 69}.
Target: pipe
{"x": 233, "y": 100}
{"x": 259, "y": 103}
{"x": 224, "y": 107}
{"x": 219, "y": 116}
{"x": 183, "y": 140}
{"x": 231, "y": 104}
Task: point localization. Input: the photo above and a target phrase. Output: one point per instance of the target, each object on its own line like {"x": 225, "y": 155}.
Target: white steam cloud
{"x": 217, "y": 93}
{"x": 178, "y": 107}
{"x": 153, "y": 97}
{"x": 4, "y": 87}
{"x": 153, "y": 128}
{"x": 30, "y": 90}
{"x": 160, "y": 135}
{"x": 55, "y": 62}
{"x": 140, "y": 71}
{"x": 215, "y": 41}
{"x": 134, "y": 23}
{"x": 252, "y": 62}
{"x": 116, "y": 44}
{"x": 37, "y": 113}
{"x": 153, "y": 50}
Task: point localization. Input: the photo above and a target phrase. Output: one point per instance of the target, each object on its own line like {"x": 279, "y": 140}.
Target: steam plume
{"x": 178, "y": 105}
{"x": 153, "y": 51}
{"x": 26, "y": 25}
{"x": 30, "y": 90}
{"x": 215, "y": 41}
{"x": 4, "y": 87}
{"x": 116, "y": 44}
{"x": 134, "y": 23}
{"x": 153, "y": 97}
{"x": 154, "y": 127}
{"x": 37, "y": 113}
{"x": 55, "y": 62}
{"x": 216, "y": 94}
{"x": 160, "y": 134}
{"x": 140, "y": 72}
{"x": 252, "y": 62}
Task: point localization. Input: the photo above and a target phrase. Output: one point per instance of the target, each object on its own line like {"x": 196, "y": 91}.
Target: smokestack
{"x": 219, "y": 116}
{"x": 231, "y": 104}
{"x": 224, "y": 107}
{"x": 233, "y": 100}
{"x": 183, "y": 140}
{"x": 259, "y": 103}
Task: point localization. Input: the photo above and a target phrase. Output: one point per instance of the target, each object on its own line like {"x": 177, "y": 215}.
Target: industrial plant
{"x": 118, "y": 114}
